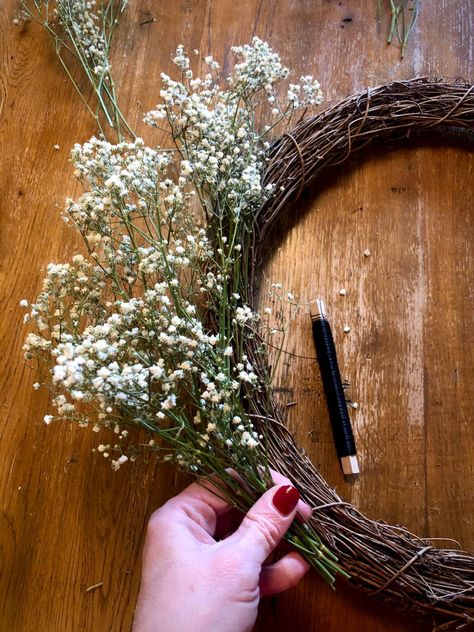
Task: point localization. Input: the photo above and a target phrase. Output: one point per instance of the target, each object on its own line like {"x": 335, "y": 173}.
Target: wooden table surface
{"x": 68, "y": 522}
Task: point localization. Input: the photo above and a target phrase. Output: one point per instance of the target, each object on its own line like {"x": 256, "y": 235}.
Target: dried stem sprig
{"x": 403, "y": 16}
{"x": 81, "y": 33}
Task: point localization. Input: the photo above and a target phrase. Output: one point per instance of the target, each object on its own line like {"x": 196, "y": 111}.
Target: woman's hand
{"x": 192, "y": 582}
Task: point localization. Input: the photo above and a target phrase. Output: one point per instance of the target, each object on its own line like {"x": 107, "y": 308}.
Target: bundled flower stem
{"x": 402, "y": 21}
{"x": 149, "y": 326}
{"x": 82, "y": 31}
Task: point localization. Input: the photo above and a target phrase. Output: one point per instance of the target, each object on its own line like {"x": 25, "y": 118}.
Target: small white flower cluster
{"x": 307, "y": 92}
{"x": 259, "y": 66}
{"x": 245, "y": 315}
{"x": 223, "y": 151}
{"x": 245, "y": 371}
{"x": 79, "y": 17}
{"x": 120, "y": 180}
{"x": 143, "y": 354}
{"x": 70, "y": 291}
{"x": 220, "y": 144}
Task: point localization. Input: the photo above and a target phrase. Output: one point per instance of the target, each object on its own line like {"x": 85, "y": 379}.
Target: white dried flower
{"x": 120, "y": 461}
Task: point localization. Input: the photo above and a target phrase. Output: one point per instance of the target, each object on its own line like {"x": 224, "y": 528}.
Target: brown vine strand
{"x": 389, "y": 112}
{"x": 385, "y": 561}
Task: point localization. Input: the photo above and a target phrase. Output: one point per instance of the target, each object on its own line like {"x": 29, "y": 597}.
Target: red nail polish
{"x": 286, "y": 499}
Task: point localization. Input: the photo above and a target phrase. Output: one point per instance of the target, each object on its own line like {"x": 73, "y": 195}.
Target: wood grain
{"x": 67, "y": 521}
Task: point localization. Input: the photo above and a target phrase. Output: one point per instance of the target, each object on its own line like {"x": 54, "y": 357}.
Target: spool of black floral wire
{"x": 332, "y": 384}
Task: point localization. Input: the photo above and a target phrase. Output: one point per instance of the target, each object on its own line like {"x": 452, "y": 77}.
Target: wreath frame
{"x": 384, "y": 561}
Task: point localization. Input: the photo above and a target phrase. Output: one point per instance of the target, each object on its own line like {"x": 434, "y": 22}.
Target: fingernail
{"x": 286, "y": 499}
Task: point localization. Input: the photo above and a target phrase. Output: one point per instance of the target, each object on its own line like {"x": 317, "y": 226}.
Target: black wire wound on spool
{"x": 332, "y": 383}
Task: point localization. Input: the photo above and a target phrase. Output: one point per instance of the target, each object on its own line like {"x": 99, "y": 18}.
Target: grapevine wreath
{"x": 385, "y": 561}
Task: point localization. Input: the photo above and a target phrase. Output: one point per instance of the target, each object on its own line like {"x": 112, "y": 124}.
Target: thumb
{"x": 267, "y": 522}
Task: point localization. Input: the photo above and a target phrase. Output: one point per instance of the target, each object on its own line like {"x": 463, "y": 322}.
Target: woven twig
{"x": 385, "y": 561}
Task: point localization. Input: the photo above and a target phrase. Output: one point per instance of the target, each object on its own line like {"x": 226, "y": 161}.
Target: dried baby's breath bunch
{"x": 149, "y": 326}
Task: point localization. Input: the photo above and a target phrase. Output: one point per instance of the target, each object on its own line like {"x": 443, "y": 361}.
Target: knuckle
{"x": 156, "y": 524}
{"x": 280, "y": 479}
{"x": 291, "y": 579}
{"x": 266, "y": 528}
{"x": 249, "y": 595}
